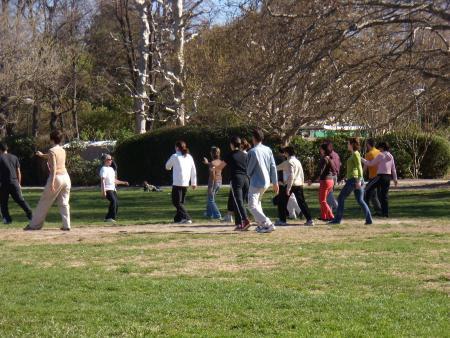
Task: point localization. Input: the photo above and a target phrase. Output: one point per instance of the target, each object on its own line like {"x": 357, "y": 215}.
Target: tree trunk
{"x": 54, "y": 117}
{"x": 35, "y": 120}
{"x": 179, "y": 89}
{"x": 76, "y": 131}
{"x": 140, "y": 96}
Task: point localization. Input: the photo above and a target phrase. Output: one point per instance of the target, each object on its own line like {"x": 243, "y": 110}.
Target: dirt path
{"x": 319, "y": 232}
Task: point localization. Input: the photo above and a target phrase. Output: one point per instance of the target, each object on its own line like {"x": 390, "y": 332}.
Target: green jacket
{"x": 354, "y": 167}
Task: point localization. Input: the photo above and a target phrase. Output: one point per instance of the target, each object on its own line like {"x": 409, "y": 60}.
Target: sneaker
{"x": 334, "y": 222}
{"x": 245, "y": 225}
{"x": 186, "y": 221}
{"x": 368, "y": 223}
{"x": 64, "y": 229}
{"x": 280, "y": 223}
{"x": 309, "y": 223}
{"x": 5, "y": 221}
{"x": 266, "y": 229}
{"x": 238, "y": 227}
{"x": 110, "y": 220}
{"x": 31, "y": 228}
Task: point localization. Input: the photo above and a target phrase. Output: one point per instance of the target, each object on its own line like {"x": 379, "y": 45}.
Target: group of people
{"x": 252, "y": 171}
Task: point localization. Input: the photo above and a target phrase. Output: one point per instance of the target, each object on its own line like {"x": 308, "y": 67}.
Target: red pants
{"x": 326, "y": 186}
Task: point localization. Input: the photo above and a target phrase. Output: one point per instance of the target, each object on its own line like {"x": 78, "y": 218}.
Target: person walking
{"x": 326, "y": 174}
{"x": 262, "y": 171}
{"x": 57, "y": 188}
{"x": 183, "y": 173}
{"x": 354, "y": 183}
{"x": 10, "y": 184}
{"x": 386, "y": 172}
{"x": 293, "y": 181}
{"x": 372, "y": 194}
{"x": 109, "y": 181}
{"x": 336, "y": 169}
{"x": 239, "y": 182}
{"x": 214, "y": 183}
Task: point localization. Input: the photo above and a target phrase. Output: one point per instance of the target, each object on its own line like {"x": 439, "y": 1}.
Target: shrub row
{"x": 143, "y": 157}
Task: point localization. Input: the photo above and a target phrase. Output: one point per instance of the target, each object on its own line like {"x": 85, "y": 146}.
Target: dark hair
{"x": 326, "y": 148}
{"x": 236, "y": 141}
{"x": 354, "y": 142}
{"x": 181, "y": 145}
{"x": 3, "y": 147}
{"x": 215, "y": 153}
{"x": 329, "y": 145}
{"x": 56, "y": 136}
{"x": 245, "y": 145}
{"x": 288, "y": 150}
{"x": 370, "y": 142}
{"x": 384, "y": 146}
{"x": 258, "y": 135}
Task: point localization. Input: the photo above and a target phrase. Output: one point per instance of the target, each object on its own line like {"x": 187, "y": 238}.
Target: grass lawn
{"x": 389, "y": 279}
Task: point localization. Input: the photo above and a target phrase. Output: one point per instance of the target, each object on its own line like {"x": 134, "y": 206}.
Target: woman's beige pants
{"x": 61, "y": 195}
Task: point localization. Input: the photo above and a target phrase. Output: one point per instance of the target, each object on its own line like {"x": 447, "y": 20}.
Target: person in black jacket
{"x": 10, "y": 180}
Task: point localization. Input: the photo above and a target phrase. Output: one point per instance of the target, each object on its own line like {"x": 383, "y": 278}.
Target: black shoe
{"x": 64, "y": 229}
{"x": 31, "y": 228}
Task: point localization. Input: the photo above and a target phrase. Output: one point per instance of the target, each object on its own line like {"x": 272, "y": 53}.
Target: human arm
{"x": 193, "y": 174}
{"x": 251, "y": 163}
{"x": 52, "y": 166}
{"x": 273, "y": 174}
{"x": 125, "y": 183}
{"x": 394, "y": 172}
{"x": 42, "y": 155}
{"x": 290, "y": 179}
{"x": 374, "y": 162}
{"x": 170, "y": 162}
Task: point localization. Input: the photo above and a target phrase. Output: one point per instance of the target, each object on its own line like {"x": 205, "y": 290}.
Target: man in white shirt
{"x": 108, "y": 183}
{"x": 183, "y": 171}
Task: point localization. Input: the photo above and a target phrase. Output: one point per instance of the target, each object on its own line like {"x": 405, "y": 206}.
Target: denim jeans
{"x": 359, "y": 196}
{"x": 211, "y": 207}
{"x": 330, "y": 198}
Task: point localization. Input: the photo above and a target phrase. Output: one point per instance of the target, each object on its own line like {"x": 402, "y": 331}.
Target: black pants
{"x": 111, "y": 195}
{"x": 12, "y": 189}
{"x": 372, "y": 195}
{"x": 381, "y": 183}
{"x": 283, "y": 201}
{"x": 178, "y": 199}
{"x": 239, "y": 193}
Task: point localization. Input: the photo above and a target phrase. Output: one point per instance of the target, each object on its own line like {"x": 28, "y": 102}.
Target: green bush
{"x": 143, "y": 157}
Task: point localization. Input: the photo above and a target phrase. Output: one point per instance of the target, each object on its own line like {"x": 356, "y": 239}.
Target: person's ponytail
{"x": 182, "y": 147}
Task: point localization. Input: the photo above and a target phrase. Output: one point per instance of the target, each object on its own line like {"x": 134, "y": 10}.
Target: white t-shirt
{"x": 109, "y": 175}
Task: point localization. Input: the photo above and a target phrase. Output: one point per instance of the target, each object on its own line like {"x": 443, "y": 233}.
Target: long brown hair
{"x": 181, "y": 145}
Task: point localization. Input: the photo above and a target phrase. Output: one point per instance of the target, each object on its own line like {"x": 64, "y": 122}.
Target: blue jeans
{"x": 211, "y": 207}
{"x": 359, "y": 196}
{"x": 330, "y": 198}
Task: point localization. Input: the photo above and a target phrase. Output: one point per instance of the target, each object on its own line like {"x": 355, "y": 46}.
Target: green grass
{"x": 390, "y": 279}
{"x": 138, "y": 207}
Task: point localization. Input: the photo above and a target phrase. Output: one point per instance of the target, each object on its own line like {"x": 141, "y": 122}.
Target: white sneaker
{"x": 186, "y": 221}
{"x": 110, "y": 220}
{"x": 266, "y": 229}
{"x": 227, "y": 219}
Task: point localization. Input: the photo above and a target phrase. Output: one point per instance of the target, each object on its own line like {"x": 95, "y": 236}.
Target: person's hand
{"x": 276, "y": 188}
{"x": 194, "y": 187}
{"x": 126, "y": 184}
{"x": 39, "y": 153}
{"x": 288, "y": 192}
{"x": 358, "y": 185}
{"x": 396, "y": 183}
{"x": 205, "y": 160}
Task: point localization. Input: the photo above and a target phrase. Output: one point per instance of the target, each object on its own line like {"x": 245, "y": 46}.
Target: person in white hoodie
{"x": 183, "y": 172}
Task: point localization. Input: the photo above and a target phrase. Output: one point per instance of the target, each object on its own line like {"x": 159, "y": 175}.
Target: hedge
{"x": 143, "y": 157}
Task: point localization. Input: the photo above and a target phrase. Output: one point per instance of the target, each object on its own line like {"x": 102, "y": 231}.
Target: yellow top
{"x": 370, "y": 155}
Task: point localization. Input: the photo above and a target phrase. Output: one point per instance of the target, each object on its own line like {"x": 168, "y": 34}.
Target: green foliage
{"x": 143, "y": 157}
{"x": 81, "y": 171}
